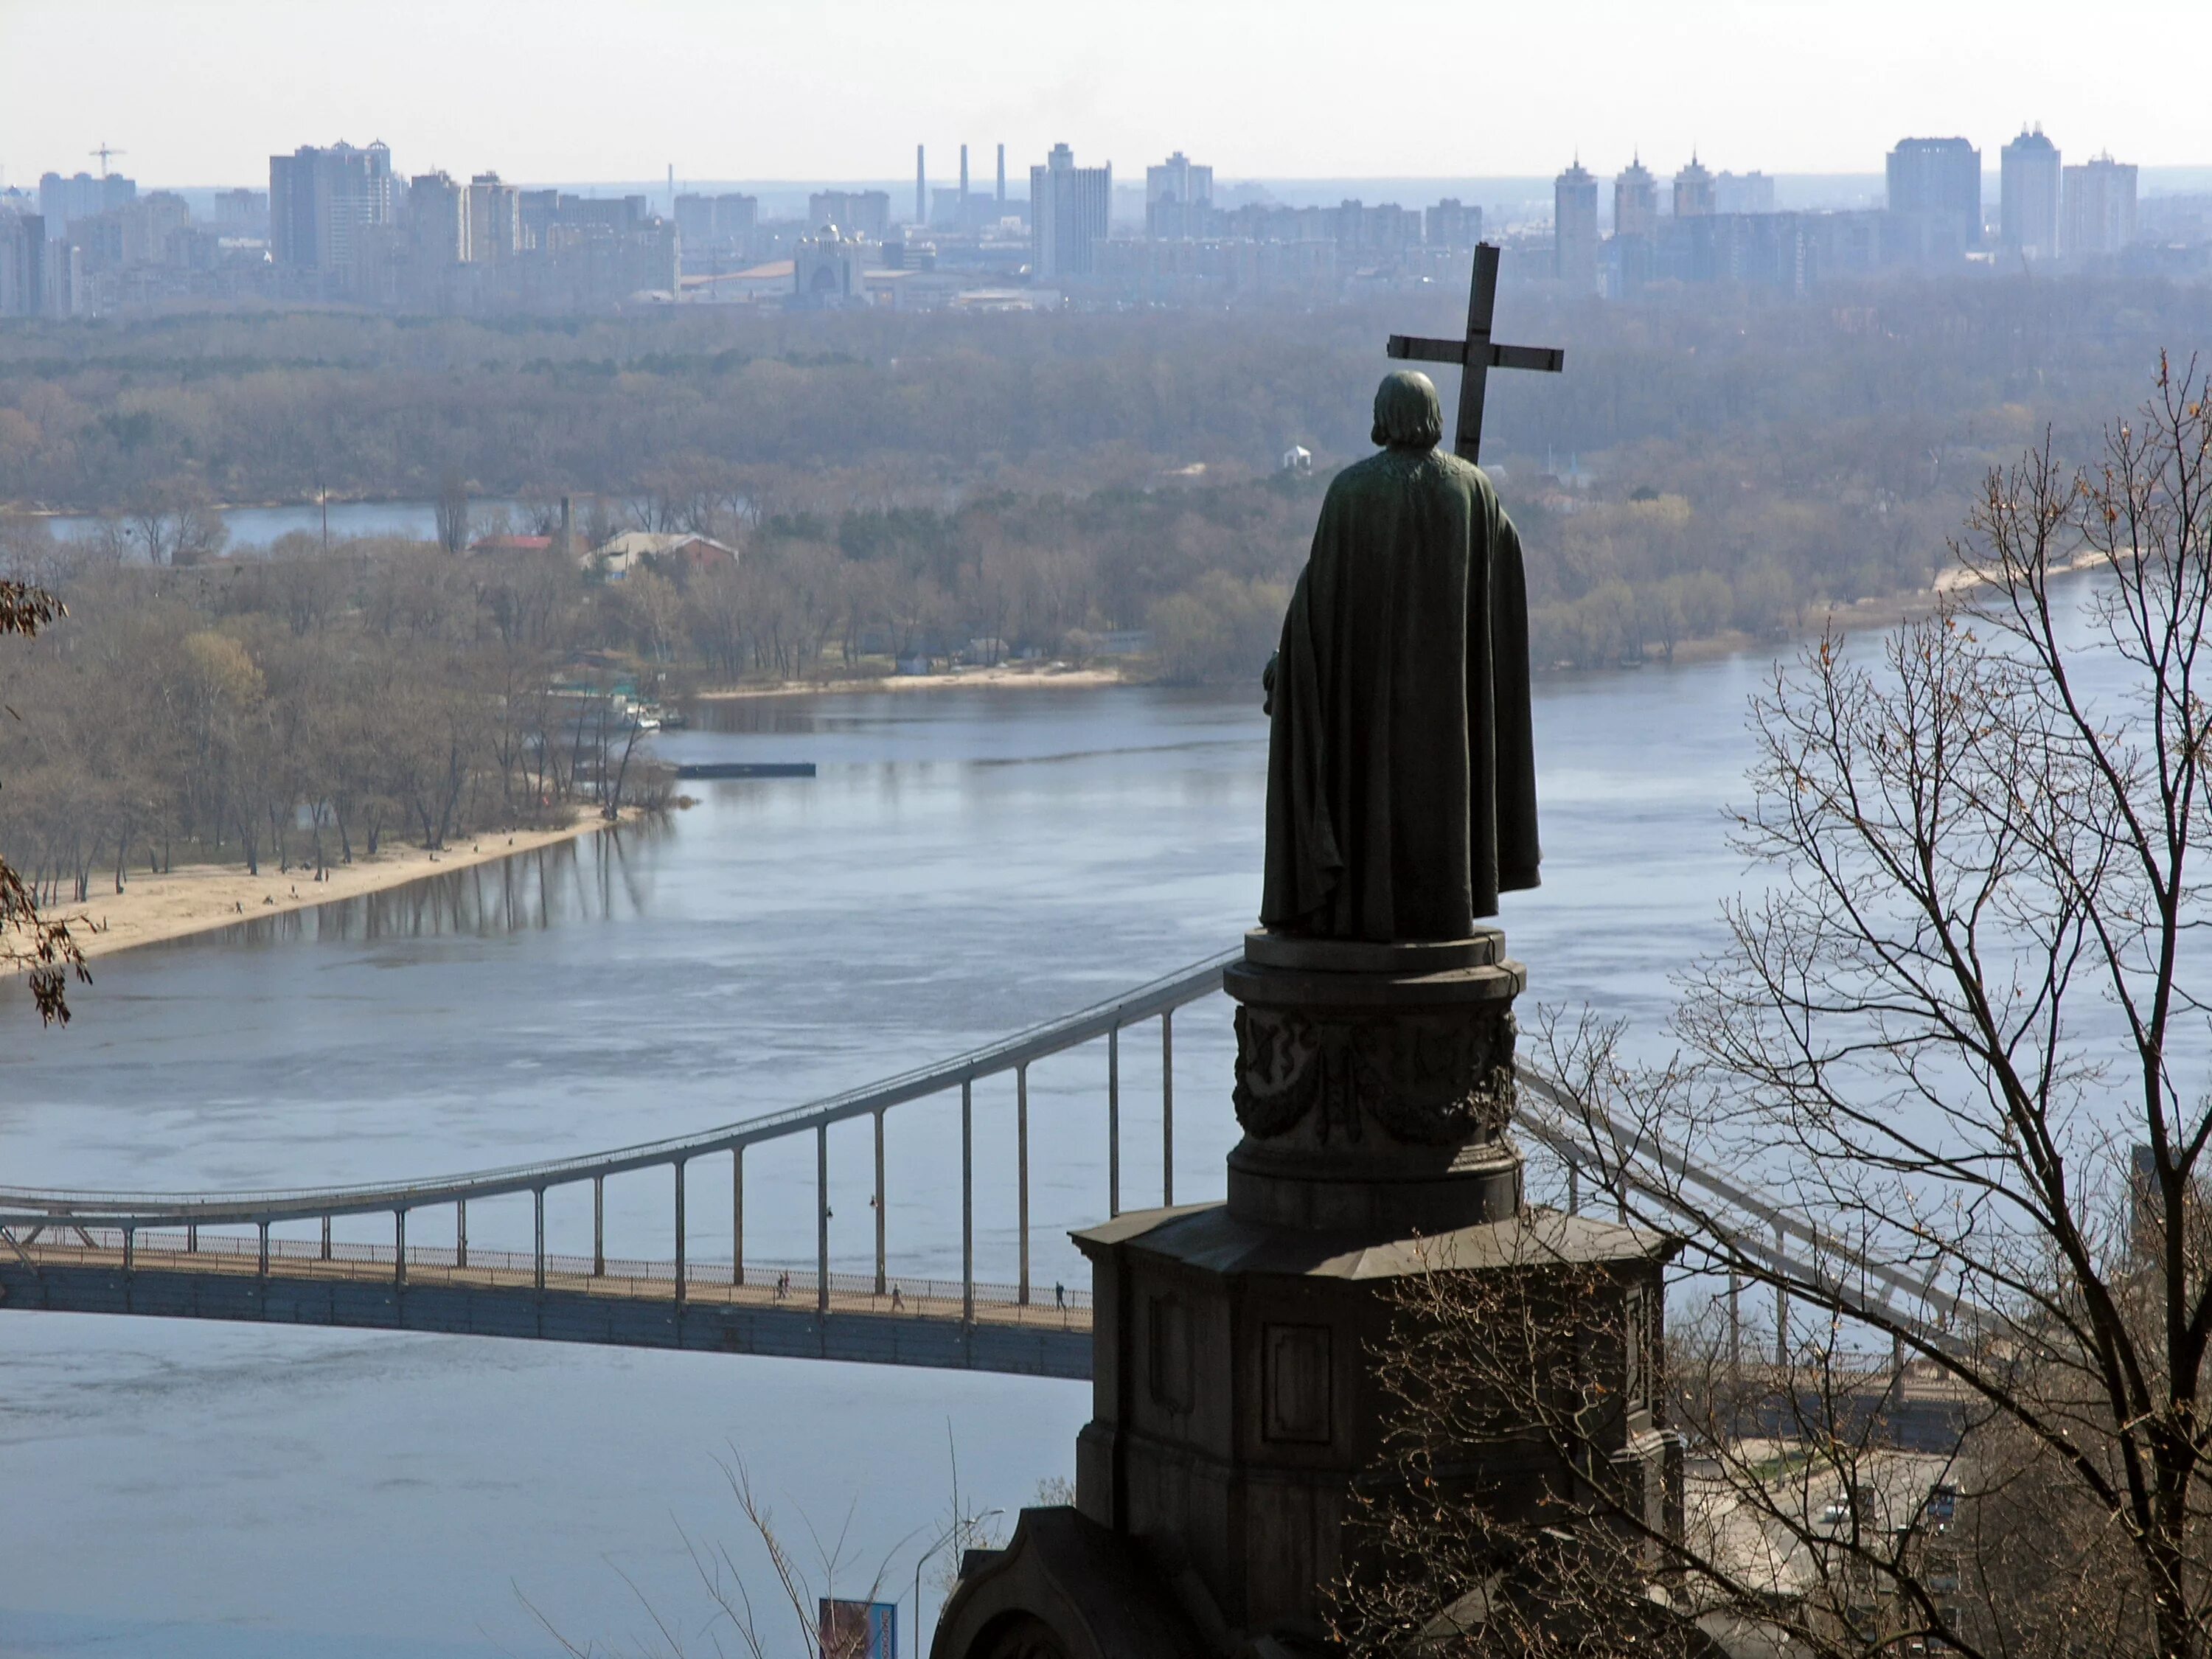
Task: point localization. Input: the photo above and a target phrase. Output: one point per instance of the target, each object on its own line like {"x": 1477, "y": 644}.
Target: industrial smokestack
{"x": 920, "y": 190}
{"x": 1002, "y": 179}
{"x": 964, "y": 179}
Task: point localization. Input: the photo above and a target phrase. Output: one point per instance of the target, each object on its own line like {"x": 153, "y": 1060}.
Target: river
{"x": 252, "y": 528}
{"x": 966, "y": 861}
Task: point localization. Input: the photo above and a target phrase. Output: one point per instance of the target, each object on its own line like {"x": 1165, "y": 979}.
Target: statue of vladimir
{"x": 1401, "y": 776}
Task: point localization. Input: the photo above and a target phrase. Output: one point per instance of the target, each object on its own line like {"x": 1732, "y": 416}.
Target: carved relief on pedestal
{"x": 1427, "y": 1079}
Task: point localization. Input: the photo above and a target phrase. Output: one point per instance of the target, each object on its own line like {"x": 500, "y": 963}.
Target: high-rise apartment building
{"x": 1574, "y": 224}
{"x": 1178, "y": 195}
{"x": 1938, "y": 176}
{"x": 23, "y": 258}
{"x": 1693, "y": 190}
{"x": 1070, "y": 207}
{"x": 1635, "y": 201}
{"x": 1454, "y": 225}
{"x": 437, "y": 220}
{"x": 1743, "y": 193}
{"x": 2028, "y": 187}
{"x": 323, "y": 202}
{"x": 722, "y": 224}
{"x": 83, "y": 197}
{"x": 2097, "y": 207}
{"x": 495, "y": 220}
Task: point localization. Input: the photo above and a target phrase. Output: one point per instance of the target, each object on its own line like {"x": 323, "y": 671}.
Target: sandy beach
{"x": 1006, "y": 674}
{"x": 202, "y": 898}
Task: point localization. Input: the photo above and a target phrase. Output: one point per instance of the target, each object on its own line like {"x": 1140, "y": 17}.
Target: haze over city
{"x": 568, "y": 90}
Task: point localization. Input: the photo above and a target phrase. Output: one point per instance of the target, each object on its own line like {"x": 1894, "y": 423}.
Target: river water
{"x": 256, "y": 527}
{"x": 965, "y": 862}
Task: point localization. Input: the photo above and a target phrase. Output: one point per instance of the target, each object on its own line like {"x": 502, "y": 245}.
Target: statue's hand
{"x": 1267, "y": 684}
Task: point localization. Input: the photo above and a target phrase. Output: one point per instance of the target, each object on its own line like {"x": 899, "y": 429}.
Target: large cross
{"x": 1475, "y": 354}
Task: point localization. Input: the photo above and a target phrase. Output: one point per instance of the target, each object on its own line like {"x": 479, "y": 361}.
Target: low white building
{"x": 675, "y": 552}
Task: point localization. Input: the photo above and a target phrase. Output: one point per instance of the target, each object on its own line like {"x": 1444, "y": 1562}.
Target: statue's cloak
{"x": 1402, "y": 777}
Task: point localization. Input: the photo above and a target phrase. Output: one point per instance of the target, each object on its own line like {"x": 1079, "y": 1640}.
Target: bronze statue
{"x": 1401, "y": 779}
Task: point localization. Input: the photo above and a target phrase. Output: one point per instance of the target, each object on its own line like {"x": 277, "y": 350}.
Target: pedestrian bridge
{"x": 271, "y": 1257}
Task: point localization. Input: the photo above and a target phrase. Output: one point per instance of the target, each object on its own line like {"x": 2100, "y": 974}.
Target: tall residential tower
{"x": 1069, "y": 210}
{"x": 2028, "y": 182}
{"x": 1938, "y": 177}
{"x": 2097, "y": 208}
{"x": 1635, "y": 201}
{"x": 1574, "y": 222}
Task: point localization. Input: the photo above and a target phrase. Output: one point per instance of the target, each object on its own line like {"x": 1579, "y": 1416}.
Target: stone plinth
{"x": 1375, "y": 1084}
{"x": 1235, "y": 1400}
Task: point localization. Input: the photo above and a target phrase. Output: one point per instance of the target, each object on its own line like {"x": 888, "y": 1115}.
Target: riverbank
{"x": 1027, "y": 675}
{"x": 198, "y": 899}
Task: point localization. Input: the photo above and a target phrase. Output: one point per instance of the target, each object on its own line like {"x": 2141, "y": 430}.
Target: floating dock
{"x": 747, "y": 769}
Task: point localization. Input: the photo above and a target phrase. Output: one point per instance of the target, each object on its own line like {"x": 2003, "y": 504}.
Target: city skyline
{"x": 1319, "y": 93}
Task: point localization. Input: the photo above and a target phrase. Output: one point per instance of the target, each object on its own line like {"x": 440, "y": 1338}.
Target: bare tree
{"x": 1962, "y": 1035}
{"x": 43, "y": 950}
{"x": 452, "y": 512}
{"x": 174, "y": 523}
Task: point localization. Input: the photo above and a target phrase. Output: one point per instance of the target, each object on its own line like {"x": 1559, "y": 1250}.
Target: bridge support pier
{"x": 967, "y": 1204}
{"x": 1735, "y": 1325}
{"x": 1114, "y": 1121}
{"x": 1167, "y": 1108}
{"x": 821, "y": 1219}
{"x": 1022, "y": 1178}
{"x": 737, "y": 1215}
{"x": 679, "y": 1234}
{"x": 1781, "y": 1305}
{"x": 881, "y": 1287}
{"x": 460, "y": 1232}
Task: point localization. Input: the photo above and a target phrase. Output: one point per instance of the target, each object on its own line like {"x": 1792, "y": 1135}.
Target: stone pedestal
{"x": 1234, "y": 1393}
{"x": 1374, "y": 1085}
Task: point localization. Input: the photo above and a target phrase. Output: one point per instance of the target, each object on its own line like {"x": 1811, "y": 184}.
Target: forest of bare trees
{"x": 296, "y": 713}
{"x": 1711, "y": 463}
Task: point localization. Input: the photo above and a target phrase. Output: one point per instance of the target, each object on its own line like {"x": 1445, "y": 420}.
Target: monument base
{"x": 1234, "y": 1395}
{"x": 1375, "y": 1084}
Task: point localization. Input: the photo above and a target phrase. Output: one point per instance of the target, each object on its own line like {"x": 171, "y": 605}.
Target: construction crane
{"x": 104, "y": 152}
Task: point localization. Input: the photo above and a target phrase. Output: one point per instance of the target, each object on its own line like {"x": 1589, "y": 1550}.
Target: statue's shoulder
{"x": 1465, "y": 474}
{"x": 1394, "y": 469}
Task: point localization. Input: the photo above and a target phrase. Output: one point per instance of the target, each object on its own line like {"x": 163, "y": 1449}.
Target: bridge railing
{"x": 1581, "y": 1135}
{"x": 31, "y": 1214}
{"x": 1744, "y": 1227}
{"x": 771, "y": 1285}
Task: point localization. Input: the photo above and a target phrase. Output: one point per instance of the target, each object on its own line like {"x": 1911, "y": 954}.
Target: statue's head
{"x": 1407, "y": 415}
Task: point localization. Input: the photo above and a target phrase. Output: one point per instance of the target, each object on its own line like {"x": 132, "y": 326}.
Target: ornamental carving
{"x": 1432, "y": 1081}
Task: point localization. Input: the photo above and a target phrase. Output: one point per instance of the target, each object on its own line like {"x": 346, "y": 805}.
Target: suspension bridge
{"x": 270, "y": 1256}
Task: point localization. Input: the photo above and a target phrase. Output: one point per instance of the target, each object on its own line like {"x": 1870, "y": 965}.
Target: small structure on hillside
{"x": 675, "y": 553}
{"x": 504, "y": 543}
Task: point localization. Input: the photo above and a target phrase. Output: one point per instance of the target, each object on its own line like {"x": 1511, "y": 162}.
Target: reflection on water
{"x": 588, "y": 879}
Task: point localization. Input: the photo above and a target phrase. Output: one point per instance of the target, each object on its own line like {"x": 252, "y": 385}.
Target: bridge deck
{"x": 497, "y": 1294}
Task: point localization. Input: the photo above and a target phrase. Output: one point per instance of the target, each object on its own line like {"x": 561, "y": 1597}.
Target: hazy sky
{"x": 201, "y": 91}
